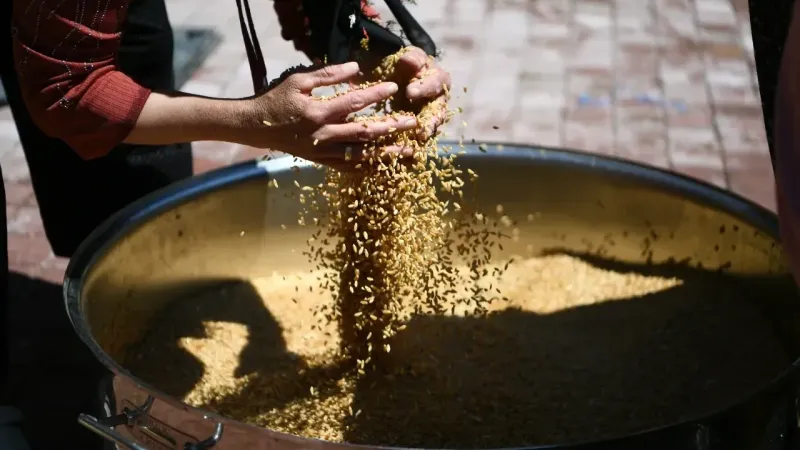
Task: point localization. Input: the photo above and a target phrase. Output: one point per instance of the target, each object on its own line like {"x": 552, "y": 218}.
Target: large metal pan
{"x": 226, "y": 225}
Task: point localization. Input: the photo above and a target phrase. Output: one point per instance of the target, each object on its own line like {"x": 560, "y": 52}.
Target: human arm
{"x": 285, "y": 118}
{"x": 74, "y": 92}
{"x": 173, "y": 118}
{"x": 65, "y": 58}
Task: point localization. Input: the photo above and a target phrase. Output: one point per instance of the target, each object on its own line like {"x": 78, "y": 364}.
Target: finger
{"x": 353, "y": 157}
{"x": 342, "y": 157}
{"x": 329, "y": 75}
{"x": 413, "y": 60}
{"x": 337, "y": 161}
{"x": 364, "y": 131}
{"x": 403, "y": 152}
{"x": 357, "y": 99}
{"x": 435, "y": 84}
{"x": 432, "y": 126}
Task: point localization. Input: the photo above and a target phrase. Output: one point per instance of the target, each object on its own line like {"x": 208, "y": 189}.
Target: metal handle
{"x": 106, "y": 431}
{"x": 208, "y": 443}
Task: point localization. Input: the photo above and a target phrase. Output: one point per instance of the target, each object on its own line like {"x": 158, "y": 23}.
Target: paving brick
{"x": 244, "y": 153}
{"x": 593, "y": 17}
{"x": 495, "y": 84}
{"x": 742, "y": 129}
{"x": 638, "y": 89}
{"x": 26, "y": 250}
{"x": 430, "y": 11}
{"x": 717, "y": 13}
{"x": 592, "y": 54}
{"x": 52, "y": 269}
{"x": 676, "y": 26}
{"x": 205, "y": 88}
{"x": 543, "y": 59}
{"x": 590, "y": 137}
{"x": 707, "y": 174}
{"x": 470, "y": 12}
{"x": 489, "y": 124}
{"x": 541, "y": 126}
{"x": 202, "y": 165}
{"x": 637, "y": 59}
{"x": 537, "y": 92}
{"x": 635, "y": 23}
{"x": 718, "y": 35}
{"x": 695, "y": 148}
{"x": 641, "y": 133}
{"x": 19, "y": 194}
{"x": 751, "y": 176}
{"x": 222, "y": 152}
{"x": 25, "y": 219}
{"x": 15, "y": 168}
{"x": 549, "y": 31}
{"x": 595, "y": 87}
{"x": 506, "y": 29}
{"x": 549, "y": 10}
{"x": 731, "y": 84}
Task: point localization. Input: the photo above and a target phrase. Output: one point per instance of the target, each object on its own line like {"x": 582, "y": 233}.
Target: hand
{"x": 426, "y": 82}
{"x": 289, "y": 119}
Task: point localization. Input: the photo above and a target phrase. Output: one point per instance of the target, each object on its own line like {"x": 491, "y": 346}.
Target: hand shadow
{"x": 162, "y": 360}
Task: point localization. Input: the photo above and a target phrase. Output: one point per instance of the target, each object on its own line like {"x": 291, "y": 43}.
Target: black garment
{"x": 74, "y": 195}
{"x": 769, "y": 23}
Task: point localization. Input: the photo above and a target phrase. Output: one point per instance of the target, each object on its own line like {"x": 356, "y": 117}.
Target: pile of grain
{"x": 578, "y": 353}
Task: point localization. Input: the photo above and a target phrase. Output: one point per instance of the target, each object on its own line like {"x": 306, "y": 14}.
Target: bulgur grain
{"x": 577, "y": 353}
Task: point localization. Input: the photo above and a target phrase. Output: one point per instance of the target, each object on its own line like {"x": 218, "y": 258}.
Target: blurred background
{"x": 669, "y": 83}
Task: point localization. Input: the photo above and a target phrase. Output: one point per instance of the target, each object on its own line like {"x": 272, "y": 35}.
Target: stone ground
{"x": 665, "y": 82}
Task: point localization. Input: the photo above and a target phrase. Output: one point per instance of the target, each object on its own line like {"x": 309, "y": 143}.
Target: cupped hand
{"x": 293, "y": 121}
{"x": 426, "y": 82}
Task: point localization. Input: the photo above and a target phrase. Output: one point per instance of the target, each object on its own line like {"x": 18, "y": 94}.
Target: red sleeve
{"x": 65, "y": 56}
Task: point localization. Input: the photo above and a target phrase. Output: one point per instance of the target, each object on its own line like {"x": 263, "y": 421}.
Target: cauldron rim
{"x": 700, "y": 192}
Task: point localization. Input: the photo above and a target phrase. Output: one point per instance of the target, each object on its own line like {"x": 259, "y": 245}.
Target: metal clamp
{"x": 207, "y": 443}
{"x": 106, "y": 428}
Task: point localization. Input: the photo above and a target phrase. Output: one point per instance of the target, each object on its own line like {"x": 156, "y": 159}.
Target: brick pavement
{"x": 665, "y": 82}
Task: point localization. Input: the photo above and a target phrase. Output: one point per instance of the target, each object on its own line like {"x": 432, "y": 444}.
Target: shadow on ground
{"x": 53, "y": 375}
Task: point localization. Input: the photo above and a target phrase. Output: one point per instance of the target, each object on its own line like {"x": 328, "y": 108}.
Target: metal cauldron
{"x": 223, "y": 225}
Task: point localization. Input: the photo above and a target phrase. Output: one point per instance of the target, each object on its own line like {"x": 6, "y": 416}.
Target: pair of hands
{"x": 316, "y": 130}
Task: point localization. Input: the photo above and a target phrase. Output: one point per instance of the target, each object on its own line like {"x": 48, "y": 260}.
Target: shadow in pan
{"x": 517, "y": 378}
{"x": 177, "y": 371}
